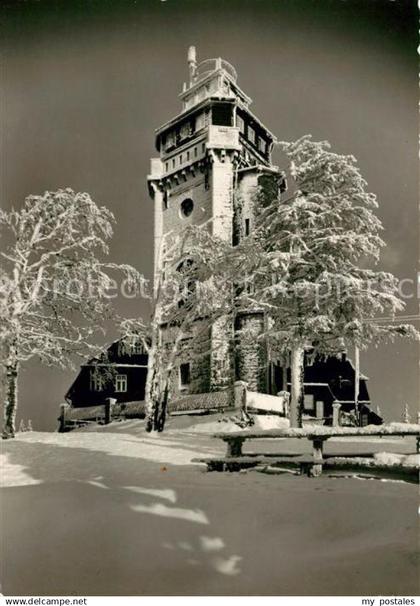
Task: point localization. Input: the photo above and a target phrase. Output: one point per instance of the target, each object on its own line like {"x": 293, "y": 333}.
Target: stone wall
{"x": 195, "y": 187}
{"x": 246, "y": 191}
{"x": 198, "y": 357}
{"x": 222, "y": 357}
{"x": 221, "y": 181}
{"x": 251, "y": 354}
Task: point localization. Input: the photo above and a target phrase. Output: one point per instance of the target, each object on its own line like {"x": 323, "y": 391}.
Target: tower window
{"x": 180, "y": 159}
{"x": 222, "y": 115}
{"x": 251, "y": 134}
{"x": 240, "y": 123}
{"x": 186, "y": 208}
{"x": 121, "y": 383}
{"x": 173, "y": 162}
{"x": 247, "y": 227}
{"x": 166, "y": 166}
{"x": 203, "y": 147}
{"x": 188, "y": 155}
{"x": 184, "y": 375}
{"x": 195, "y": 152}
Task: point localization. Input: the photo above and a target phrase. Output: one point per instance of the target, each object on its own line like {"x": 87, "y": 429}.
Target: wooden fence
{"x": 72, "y": 417}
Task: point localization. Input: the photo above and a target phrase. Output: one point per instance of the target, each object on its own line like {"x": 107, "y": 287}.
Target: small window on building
{"x": 200, "y": 121}
{"x": 195, "y": 152}
{"x": 309, "y": 402}
{"x": 180, "y": 159}
{"x": 166, "y": 166}
{"x": 251, "y": 134}
{"x": 186, "y": 130}
{"x": 240, "y": 124}
{"x": 184, "y": 375}
{"x": 203, "y": 147}
{"x": 188, "y": 155}
{"x": 173, "y": 162}
{"x": 138, "y": 348}
{"x": 97, "y": 382}
{"x": 121, "y": 383}
{"x": 247, "y": 227}
{"x": 169, "y": 140}
{"x": 261, "y": 145}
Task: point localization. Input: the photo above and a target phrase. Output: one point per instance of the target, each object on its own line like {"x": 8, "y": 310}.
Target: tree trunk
{"x": 297, "y": 387}
{"x": 152, "y": 391}
{"x": 10, "y": 405}
{"x": 151, "y": 398}
{"x": 162, "y": 409}
{"x": 156, "y": 397}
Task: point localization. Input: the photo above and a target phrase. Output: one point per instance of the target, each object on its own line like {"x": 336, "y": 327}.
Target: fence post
{"x": 285, "y": 396}
{"x": 109, "y": 402}
{"x": 336, "y": 413}
{"x": 62, "y": 418}
{"x": 240, "y": 395}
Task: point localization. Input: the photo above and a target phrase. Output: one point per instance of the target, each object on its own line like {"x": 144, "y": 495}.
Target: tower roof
{"x": 219, "y": 76}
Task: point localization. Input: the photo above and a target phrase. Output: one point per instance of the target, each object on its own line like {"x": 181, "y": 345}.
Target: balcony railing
{"x": 223, "y": 136}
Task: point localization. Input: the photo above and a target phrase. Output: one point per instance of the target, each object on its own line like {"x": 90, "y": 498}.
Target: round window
{"x": 187, "y": 206}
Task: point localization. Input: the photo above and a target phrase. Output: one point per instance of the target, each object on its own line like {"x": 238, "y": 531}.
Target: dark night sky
{"x": 86, "y": 83}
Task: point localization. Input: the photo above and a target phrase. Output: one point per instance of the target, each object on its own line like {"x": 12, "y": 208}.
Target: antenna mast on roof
{"x": 192, "y": 64}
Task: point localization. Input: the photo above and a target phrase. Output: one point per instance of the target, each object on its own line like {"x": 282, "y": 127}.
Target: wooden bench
{"x": 235, "y": 459}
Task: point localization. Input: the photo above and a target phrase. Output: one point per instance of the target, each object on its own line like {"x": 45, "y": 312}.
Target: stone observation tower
{"x": 212, "y": 156}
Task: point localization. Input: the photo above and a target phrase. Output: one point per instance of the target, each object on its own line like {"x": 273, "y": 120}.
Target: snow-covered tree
{"x": 22, "y": 427}
{"x": 54, "y": 283}
{"x": 192, "y": 291}
{"x": 29, "y": 428}
{"x": 309, "y": 256}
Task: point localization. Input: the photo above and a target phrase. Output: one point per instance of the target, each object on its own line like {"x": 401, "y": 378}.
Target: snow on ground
{"x": 14, "y": 474}
{"x": 261, "y": 422}
{"x": 115, "y": 511}
{"x": 151, "y": 447}
{"x": 392, "y": 459}
{"x": 183, "y": 440}
{"x": 383, "y": 459}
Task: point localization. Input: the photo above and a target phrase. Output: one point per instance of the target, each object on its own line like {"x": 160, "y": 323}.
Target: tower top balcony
{"x": 208, "y": 66}
{"x": 210, "y": 78}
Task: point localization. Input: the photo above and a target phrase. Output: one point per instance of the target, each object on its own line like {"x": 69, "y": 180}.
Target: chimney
{"x": 192, "y": 63}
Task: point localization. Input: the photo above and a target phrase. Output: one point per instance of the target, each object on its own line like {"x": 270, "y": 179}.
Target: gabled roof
{"x": 112, "y": 358}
